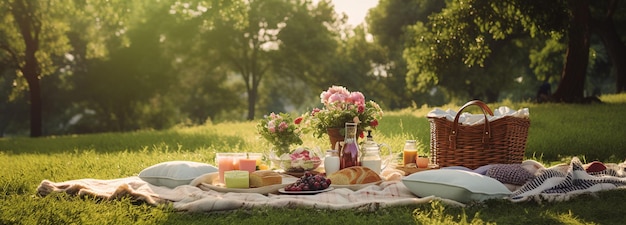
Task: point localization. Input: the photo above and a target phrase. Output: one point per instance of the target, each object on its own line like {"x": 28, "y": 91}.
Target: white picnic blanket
{"x": 558, "y": 183}
{"x": 194, "y": 198}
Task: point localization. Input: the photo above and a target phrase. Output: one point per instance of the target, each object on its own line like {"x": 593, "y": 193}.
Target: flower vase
{"x": 335, "y": 136}
{"x": 281, "y": 149}
{"x": 275, "y": 155}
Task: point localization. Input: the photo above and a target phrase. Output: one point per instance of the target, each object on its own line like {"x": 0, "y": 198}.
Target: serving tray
{"x": 210, "y": 181}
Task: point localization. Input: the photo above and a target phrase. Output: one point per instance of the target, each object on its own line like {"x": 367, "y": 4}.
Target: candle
{"x": 247, "y": 165}
{"x": 422, "y": 162}
{"x": 237, "y": 179}
{"x": 257, "y": 156}
{"x": 224, "y": 164}
{"x": 227, "y": 161}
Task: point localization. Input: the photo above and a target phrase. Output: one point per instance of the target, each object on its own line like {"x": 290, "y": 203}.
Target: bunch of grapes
{"x": 309, "y": 182}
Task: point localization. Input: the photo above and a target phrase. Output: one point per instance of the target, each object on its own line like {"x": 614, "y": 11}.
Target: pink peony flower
{"x": 337, "y": 97}
{"x": 316, "y": 110}
{"x": 341, "y": 106}
{"x": 282, "y": 126}
{"x": 357, "y": 98}
{"x": 280, "y": 130}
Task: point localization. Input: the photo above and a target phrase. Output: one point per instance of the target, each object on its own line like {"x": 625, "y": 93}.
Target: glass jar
{"x": 371, "y": 159}
{"x": 409, "y": 153}
{"x": 331, "y": 162}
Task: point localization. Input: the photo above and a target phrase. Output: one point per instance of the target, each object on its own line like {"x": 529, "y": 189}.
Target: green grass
{"x": 557, "y": 133}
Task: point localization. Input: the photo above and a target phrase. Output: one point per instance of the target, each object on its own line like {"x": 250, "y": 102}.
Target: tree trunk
{"x": 252, "y": 96}
{"x": 614, "y": 46}
{"x": 35, "y": 104}
{"x": 30, "y": 28}
{"x": 572, "y": 84}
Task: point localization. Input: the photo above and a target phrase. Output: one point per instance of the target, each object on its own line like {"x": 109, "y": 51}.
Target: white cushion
{"x": 175, "y": 173}
{"x": 458, "y": 185}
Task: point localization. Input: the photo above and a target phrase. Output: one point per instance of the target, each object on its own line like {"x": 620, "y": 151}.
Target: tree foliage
{"x": 93, "y": 66}
{"x": 467, "y": 33}
{"x": 465, "y": 47}
{"x": 389, "y": 23}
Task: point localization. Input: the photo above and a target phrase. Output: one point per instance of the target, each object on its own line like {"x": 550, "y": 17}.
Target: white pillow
{"x": 175, "y": 173}
{"x": 458, "y": 185}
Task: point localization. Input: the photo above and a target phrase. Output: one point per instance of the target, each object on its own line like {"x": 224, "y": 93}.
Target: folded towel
{"x": 473, "y": 119}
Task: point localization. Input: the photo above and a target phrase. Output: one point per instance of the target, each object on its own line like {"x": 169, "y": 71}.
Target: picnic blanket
{"x": 563, "y": 182}
{"x": 558, "y": 183}
{"x": 195, "y": 198}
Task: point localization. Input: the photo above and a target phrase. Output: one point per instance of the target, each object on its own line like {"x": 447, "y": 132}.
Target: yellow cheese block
{"x": 237, "y": 179}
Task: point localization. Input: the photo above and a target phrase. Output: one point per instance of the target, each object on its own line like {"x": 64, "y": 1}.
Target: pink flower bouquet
{"x": 341, "y": 106}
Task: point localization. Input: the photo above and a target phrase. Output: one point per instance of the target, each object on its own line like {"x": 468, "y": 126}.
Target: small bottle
{"x": 410, "y": 152}
{"x": 350, "y": 151}
{"x": 331, "y": 162}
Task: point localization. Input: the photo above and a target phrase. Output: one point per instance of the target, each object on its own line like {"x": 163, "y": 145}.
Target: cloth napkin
{"x": 473, "y": 119}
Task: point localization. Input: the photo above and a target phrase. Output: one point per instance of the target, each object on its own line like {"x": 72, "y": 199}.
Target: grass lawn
{"x": 557, "y": 133}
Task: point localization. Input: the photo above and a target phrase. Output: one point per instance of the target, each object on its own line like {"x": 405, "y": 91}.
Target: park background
{"x": 72, "y": 67}
{"x": 162, "y": 80}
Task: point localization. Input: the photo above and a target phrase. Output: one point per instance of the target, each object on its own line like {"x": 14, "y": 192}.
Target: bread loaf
{"x": 261, "y": 178}
{"x": 354, "y": 175}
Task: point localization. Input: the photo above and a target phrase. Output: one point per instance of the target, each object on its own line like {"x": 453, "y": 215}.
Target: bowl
{"x": 299, "y": 160}
{"x": 297, "y": 165}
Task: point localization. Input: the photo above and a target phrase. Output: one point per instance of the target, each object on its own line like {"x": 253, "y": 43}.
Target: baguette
{"x": 262, "y": 178}
{"x": 354, "y": 175}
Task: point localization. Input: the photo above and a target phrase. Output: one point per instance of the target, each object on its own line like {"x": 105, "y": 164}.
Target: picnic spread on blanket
{"x": 472, "y": 158}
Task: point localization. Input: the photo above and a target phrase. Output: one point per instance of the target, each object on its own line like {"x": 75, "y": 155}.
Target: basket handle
{"x": 486, "y": 131}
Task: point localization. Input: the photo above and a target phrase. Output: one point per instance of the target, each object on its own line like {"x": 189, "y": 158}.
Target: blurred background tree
{"x": 81, "y": 67}
{"x": 471, "y": 37}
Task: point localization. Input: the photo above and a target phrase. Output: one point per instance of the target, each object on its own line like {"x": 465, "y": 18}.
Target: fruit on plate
{"x": 309, "y": 182}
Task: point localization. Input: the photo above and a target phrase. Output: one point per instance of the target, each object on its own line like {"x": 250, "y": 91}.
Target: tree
{"x": 603, "y": 22}
{"x": 308, "y": 48}
{"x": 128, "y": 79}
{"x": 582, "y": 24}
{"x": 388, "y": 22}
{"x": 571, "y": 86}
{"x": 486, "y": 24}
{"x": 448, "y": 52}
{"x": 57, "y": 37}
{"x": 30, "y": 34}
{"x": 252, "y": 38}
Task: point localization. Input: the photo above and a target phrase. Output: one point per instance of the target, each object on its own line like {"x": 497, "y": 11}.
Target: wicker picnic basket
{"x": 501, "y": 141}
